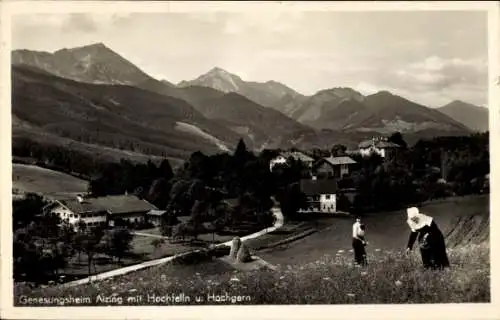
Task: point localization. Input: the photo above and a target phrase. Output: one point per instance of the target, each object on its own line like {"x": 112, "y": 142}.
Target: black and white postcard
{"x": 280, "y": 160}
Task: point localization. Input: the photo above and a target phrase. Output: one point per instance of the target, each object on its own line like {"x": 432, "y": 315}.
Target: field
{"x": 30, "y": 178}
{"x": 318, "y": 268}
{"x": 462, "y": 221}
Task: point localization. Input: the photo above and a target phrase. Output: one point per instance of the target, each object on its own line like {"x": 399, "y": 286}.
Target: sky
{"x": 430, "y": 57}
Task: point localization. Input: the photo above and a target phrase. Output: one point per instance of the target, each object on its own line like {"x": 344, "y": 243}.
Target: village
{"x": 150, "y": 231}
{"x": 320, "y": 184}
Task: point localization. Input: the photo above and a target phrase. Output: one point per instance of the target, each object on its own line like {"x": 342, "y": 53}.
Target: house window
{"x": 327, "y": 197}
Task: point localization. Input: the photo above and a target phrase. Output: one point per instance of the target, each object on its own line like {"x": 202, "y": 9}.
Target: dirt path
{"x": 150, "y": 235}
{"x": 116, "y": 272}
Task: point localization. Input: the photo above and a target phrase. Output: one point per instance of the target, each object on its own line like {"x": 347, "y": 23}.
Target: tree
{"x": 165, "y": 170}
{"x": 167, "y": 222}
{"x": 156, "y": 243}
{"x": 91, "y": 240}
{"x": 197, "y": 212}
{"x": 291, "y": 199}
{"x": 120, "y": 242}
{"x": 338, "y": 150}
{"x": 397, "y": 138}
{"x": 159, "y": 193}
{"x": 182, "y": 196}
{"x": 241, "y": 149}
{"x": 26, "y": 210}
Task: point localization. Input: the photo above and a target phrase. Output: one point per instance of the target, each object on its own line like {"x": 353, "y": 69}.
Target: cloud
{"x": 80, "y": 22}
{"x": 72, "y": 22}
{"x": 438, "y": 73}
{"x": 261, "y": 21}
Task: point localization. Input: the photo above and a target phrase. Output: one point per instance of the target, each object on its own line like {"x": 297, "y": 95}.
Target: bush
{"x": 219, "y": 251}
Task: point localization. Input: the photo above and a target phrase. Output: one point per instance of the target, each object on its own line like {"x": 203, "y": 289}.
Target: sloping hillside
{"x": 33, "y": 179}
{"x": 119, "y": 117}
{"x": 387, "y": 113}
{"x": 322, "y": 105}
{"x": 474, "y": 117}
{"x": 264, "y": 126}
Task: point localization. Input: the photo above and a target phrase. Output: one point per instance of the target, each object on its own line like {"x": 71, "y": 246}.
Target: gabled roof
{"x": 317, "y": 187}
{"x": 338, "y": 160}
{"x": 156, "y": 212}
{"x": 387, "y": 144}
{"x": 297, "y": 156}
{"x": 118, "y": 204}
{"x": 366, "y": 144}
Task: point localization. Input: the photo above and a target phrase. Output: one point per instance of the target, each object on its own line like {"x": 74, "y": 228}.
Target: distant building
{"x": 155, "y": 216}
{"x": 101, "y": 211}
{"x": 283, "y": 158}
{"x": 333, "y": 167}
{"x": 321, "y": 195}
{"x": 378, "y": 146}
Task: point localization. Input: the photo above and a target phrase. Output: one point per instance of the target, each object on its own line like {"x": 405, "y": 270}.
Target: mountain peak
{"x": 216, "y": 78}
{"x": 92, "y": 63}
{"x": 218, "y": 71}
{"x": 94, "y": 46}
{"x": 383, "y": 93}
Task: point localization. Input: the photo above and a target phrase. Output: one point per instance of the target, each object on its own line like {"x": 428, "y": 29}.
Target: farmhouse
{"x": 284, "y": 157}
{"x": 102, "y": 210}
{"x": 321, "y": 195}
{"x": 378, "y": 146}
{"x": 333, "y": 167}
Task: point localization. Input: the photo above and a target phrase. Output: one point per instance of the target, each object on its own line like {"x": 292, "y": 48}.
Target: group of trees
{"x": 200, "y": 189}
{"x": 433, "y": 168}
{"x": 59, "y": 158}
{"x": 43, "y": 244}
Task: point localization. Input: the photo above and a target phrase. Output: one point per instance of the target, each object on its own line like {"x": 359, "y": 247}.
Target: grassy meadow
{"x": 30, "y": 178}
{"x": 318, "y": 269}
{"x": 391, "y": 278}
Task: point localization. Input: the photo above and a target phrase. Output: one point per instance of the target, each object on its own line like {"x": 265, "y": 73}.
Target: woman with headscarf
{"x": 430, "y": 239}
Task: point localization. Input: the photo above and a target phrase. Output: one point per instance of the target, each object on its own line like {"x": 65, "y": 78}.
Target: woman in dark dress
{"x": 430, "y": 239}
{"x": 359, "y": 243}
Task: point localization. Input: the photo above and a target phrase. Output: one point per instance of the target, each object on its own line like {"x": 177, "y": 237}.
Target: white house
{"x": 283, "y": 157}
{"x": 321, "y": 195}
{"x": 377, "y": 146}
{"x": 102, "y": 210}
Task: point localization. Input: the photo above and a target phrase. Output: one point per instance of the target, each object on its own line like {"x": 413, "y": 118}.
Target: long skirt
{"x": 433, "y": 249}
{"x": 359, "y": 251}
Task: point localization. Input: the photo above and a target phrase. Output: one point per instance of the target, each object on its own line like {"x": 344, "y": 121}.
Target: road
{"x": 278, "y": 223}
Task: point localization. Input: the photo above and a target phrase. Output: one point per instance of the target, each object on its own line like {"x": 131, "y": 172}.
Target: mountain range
{"x": 93, "y": 95}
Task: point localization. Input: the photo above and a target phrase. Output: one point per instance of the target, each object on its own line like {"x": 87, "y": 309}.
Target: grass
{"x": 142, "y": 250}
{"x": 318, "y": 269}
{"x": 392, "y": 278}
{"x": 29, "y": 178}
{"x": 461, "y": 221}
